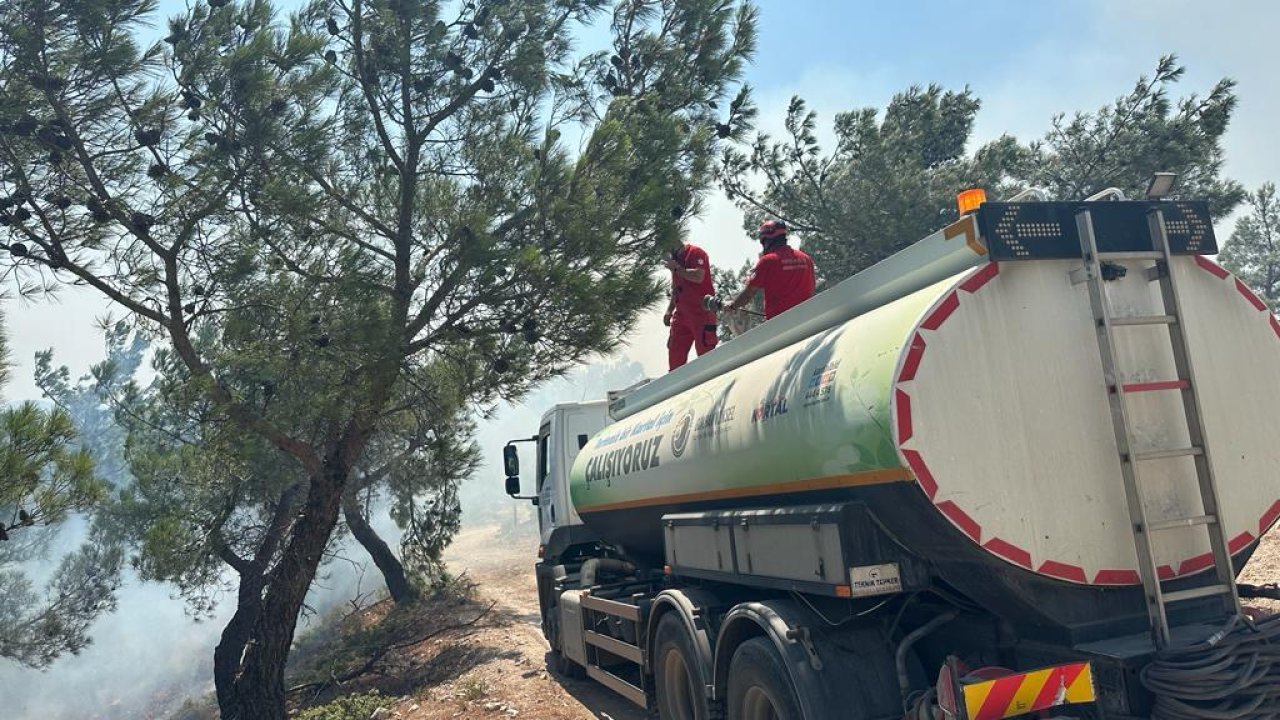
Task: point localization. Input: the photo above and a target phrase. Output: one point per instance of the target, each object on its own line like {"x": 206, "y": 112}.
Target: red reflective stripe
{"x": 998, "y": 700}
{"x": 1211, "y": 266}
{"x": 921, "y": 471}
{"x": 962, "y": 520}
{"x": 1162, "y": 385}
{"x": 914, "y": 356}
{"x": 939, "y": 316}
{"x": 1166, "y": 572}
{"x": 903, "y": 409}
{"x": 1269, "y": 518}
{"x": 1062, "y": 677}
{"x": 1195, "y": 564}
{"x": 1009, "y": 551}
{"x": 1240, "y": 542}
{"x": 1275, "y": 325}
{"x": 1116, "y": 577}
{"x": 980, "y": 278}
{"x": 1063, "y": 570}
{"x": 1254, "y": 300}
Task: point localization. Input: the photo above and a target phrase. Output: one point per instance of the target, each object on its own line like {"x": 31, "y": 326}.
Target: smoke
{"x": 150, "y": 656}
{"x": 484, "y": 498}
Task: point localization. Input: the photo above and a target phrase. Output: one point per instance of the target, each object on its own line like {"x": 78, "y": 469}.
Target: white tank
{"x": 975, "y": 405}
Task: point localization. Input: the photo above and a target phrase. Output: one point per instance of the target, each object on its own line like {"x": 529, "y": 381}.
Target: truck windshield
{"x": 544, "y": 454}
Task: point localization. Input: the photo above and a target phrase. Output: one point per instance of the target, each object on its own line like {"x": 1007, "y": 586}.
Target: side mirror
{"x": 513, "y": 485}
{"x": 511, "y": 463}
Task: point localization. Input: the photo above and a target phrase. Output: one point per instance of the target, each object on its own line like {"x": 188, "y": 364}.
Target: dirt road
{"x": 497, "y": 668}
{"x": 500, "y": 665}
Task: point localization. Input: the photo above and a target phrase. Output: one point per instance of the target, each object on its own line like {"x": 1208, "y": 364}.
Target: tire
{"x": 677, "y": 675}
{"x": 759, "y": 685}
{"x": 564, "y": 667}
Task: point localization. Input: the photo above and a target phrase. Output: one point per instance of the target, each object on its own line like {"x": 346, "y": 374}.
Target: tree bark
{"x": 232, "y": 642}
{"x": 402, "y": 591}
{"x": 238, "y": 631}
{"x": 259, "y": 692}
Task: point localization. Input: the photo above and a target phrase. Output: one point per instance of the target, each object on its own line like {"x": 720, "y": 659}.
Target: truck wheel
{"x": 565, "y": 667}
{"x": 759, "y": 686}
{"x": 677, "y": 674}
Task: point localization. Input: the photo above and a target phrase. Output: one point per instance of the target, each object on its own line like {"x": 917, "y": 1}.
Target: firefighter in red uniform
{"x": 784, "y": 273}
{"x": 692, "y": 325}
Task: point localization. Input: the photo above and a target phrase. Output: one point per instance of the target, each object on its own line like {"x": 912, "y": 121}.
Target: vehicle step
{"x": 611, "y": 607}
{"x": 618, "y": 685}
{"x": 615, "y": 646}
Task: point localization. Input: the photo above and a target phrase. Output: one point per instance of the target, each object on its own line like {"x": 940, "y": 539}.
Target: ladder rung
{"x": 1194, "y": 593}
{"x": 1192, "y": 521}
{"x": 1162, "y": 454}
{"x": 1145, "y": 320}
{"x": 1132, "y": 255}
{"x": 1158, "y": 385}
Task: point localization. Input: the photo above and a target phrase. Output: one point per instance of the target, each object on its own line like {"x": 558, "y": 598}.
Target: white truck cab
{"x": 562, "y": 434}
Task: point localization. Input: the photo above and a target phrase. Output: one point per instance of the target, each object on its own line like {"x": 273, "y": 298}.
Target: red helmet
{"x": 771, "y": 229}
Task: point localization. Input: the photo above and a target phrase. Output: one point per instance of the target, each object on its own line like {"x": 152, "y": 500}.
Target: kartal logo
{"x": 680, "y": 436}
{"x": 770, "y": 408}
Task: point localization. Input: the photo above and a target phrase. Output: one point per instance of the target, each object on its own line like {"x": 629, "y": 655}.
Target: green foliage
{"x": 892, "y": 176}
{"x": 347, "y": 707}
{"x": 1253, "y": 252}
{"x": 341, "y": 231}
{"x": 44, "y": 478}
{"x": 36, "y": 629}
{"x": 1141, "y": 133}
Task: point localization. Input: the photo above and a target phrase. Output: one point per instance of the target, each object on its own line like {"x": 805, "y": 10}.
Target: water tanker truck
{"x": 1010, "y": 470}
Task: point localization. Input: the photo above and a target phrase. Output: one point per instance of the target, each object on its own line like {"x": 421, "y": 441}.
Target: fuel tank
{"x": 972, "y": 418}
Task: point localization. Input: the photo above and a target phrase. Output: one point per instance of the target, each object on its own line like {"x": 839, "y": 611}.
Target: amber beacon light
{"x": 969, "y": 200}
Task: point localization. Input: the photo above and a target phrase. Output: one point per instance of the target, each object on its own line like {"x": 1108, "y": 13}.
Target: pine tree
{"x": 351, "y": 208}
{"x": 44, "y": 479}
{"x": 1253, "y": 252}
{"x": 893, "y": 175}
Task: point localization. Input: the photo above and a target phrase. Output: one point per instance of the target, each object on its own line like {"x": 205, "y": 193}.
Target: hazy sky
{"x": 1025, "y": 60}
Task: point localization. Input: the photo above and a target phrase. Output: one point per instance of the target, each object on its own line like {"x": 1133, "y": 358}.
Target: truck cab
{"x": 562, "y": 433}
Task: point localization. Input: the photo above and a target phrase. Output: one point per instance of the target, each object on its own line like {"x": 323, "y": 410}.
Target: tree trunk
{"x": 239, "y": 630}
{"x": 259, "y": 686}
{"x": 231, "y": 644}
{"x": 402, "y": 591}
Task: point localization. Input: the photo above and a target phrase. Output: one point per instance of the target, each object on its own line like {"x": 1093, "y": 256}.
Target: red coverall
{"x": 691, "y": 324}
{"x": 786, "y": 276}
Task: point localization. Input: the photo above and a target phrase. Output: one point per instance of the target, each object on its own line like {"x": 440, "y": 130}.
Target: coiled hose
{"x": 1234, "y": 675}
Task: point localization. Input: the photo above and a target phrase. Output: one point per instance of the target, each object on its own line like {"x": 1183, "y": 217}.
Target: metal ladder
{"x": 1157, "y": 597}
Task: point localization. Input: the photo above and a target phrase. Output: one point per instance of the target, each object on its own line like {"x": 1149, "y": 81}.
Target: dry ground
{"x": 496, "y": 668}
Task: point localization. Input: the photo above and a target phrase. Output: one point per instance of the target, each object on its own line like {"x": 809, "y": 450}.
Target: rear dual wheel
{"x": 677, "y": 674}
{"x": 759, "y": 684}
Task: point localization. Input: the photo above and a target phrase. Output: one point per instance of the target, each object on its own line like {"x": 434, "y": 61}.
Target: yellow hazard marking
{"x": 1081, "y": 691}
{"x": 1024, "y": 699}
{"x": 976, "y": 695}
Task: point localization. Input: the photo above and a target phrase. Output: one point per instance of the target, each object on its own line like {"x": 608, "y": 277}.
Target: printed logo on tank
{"x": 680, "y": 436}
